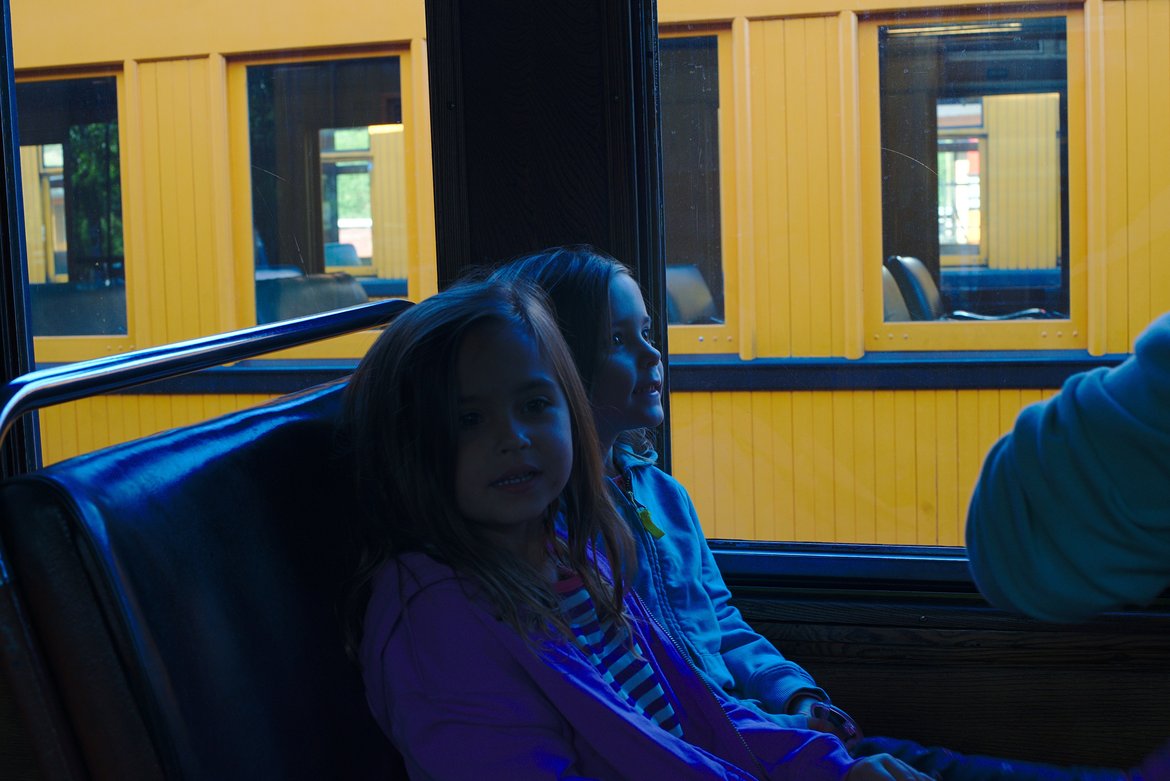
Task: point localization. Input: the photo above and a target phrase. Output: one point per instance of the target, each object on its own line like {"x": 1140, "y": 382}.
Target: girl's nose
{"x": 513, "y": 436}
{"x": 649, "y": 355}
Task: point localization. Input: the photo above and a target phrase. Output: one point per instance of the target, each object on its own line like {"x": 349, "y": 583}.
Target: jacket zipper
{"x": 690, "y": 663}
{"x": 678, "y": 648}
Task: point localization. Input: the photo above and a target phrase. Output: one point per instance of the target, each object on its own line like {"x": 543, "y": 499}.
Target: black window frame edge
{"x": 943, "y": 370}
{"x": 21, "y": 450}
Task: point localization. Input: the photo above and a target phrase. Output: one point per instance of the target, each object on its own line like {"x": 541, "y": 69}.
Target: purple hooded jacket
{"x": 463, "y": 695}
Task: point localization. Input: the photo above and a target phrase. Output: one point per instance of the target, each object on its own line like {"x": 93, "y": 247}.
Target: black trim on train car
{"x": 939, "y": 569}
{"x": 884, "y": 371}
{"x": 984, "y": 369}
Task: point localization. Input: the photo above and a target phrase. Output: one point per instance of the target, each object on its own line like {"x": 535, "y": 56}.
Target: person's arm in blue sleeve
{"x": 760, "y": 670}
{"x": 1070, "y": 515}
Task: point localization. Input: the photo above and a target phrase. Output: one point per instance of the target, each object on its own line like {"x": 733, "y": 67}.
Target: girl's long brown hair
{"x": 399, "y": 423}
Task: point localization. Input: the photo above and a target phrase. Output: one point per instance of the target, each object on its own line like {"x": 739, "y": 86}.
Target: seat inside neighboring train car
{"x": 175, "y": 604}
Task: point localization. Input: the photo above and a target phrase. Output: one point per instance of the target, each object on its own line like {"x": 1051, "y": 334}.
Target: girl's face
{"x": 627, "y": 388}
{"x": 515, "y": 441}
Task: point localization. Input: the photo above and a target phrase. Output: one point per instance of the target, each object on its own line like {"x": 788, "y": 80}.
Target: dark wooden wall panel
{"x": 953, "y": 672}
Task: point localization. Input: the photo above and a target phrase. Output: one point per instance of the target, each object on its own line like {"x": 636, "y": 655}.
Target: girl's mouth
{"x": 515, "y": 480}
{"x": 650, "y": 387}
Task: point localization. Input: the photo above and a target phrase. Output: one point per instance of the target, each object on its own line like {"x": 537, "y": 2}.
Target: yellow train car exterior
{"x": 800, "y": 218}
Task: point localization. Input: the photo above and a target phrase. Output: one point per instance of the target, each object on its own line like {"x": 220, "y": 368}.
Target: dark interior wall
{"x": 545, "y": 130}
{"x": 544, "y": 125}
{"x": 948, "y": 670}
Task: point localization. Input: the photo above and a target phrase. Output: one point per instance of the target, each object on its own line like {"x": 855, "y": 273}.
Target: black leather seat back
{"x": 919, "y": 290}
{"x": 183, "y": 590}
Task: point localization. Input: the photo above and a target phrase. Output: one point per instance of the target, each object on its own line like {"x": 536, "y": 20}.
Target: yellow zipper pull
{"x": 648, "y": 525}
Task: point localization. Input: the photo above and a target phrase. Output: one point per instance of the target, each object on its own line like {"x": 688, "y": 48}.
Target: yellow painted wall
{"x": 188, "y": 253}
{"x": 35, "y": 240}
{"x": 388, "y": 204}
{"x": 1023, "y": 174}
{"x": 89, "y": 424}
{"x": 798, "y": 247}
{"x": 841, "y": 466}
{"x": 799, "y": 215}
{"x": 77, "y": 32}
{"x": 1130, "y": 229}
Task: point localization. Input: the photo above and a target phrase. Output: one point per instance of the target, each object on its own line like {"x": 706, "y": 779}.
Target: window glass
{"x": 328, "y": 185}
{"x": 689, "y": 90}
{"x": 975, "y": 167}
{"x": 71, "y": 174}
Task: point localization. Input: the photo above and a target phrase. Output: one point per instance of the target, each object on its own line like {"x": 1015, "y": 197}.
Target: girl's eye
{"x": 537, "y": 405}
{"x": 616, "y": 340}
{"x": 468, "y": 419}
{"x": 648, "y": 335}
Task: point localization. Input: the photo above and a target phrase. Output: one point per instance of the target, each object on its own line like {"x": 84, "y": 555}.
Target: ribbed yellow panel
{"x": 1137, "y": 167}
{"x": 1023, "y": 173}
{"x": 841, "y": 466}
{"x": 388, "y": 203}
{"x": 36, "y": 239}
{"x": 1158, "y": 28}
{"x": 182, "y": 218}
{"x": 796, "y": 140}
{"x": 1137, "y": 143}
{"x": 68, "y": 32}
{"x": 78, "y": 427}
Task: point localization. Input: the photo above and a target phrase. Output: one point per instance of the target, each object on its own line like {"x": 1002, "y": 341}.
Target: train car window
{"x": 981, "y": 108}
{"x": 689, "y": 73}
{"x": 328, "y": 184}
{"x": 70, "y": 163}
{"x": 975, "y": 177}
{"x": 700, "y": 251}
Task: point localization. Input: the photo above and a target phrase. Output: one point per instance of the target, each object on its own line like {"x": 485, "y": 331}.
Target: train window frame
{"x": 422, "y": 278}
{"x": 1008, "y": 335}
{"x": 67, "y": 348}
{"x": 725, "y": 337}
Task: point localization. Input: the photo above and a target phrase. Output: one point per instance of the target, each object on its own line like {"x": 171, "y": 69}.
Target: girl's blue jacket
{"x": 681, "y": 585}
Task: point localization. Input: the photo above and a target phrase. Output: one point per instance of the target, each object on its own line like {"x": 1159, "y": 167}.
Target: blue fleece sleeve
{"x": 760, "y": 671}
{"x": 1071, "y": 514}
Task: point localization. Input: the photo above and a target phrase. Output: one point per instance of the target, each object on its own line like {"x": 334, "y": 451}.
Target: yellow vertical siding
{"x": 1023, "y": 155}
{"x": 388, "y": 203}
{"x": 37, "y": 244}
{"x": 183, "y": 221}
{"x": 1135, "y": 250}
{"x": 850, "y": 466}
{"x": 840, "y": 466}
{"x": 1137, "y": 143}
{"x": 89, "y": 424}
{"x": 1158, "y": 218}
{"x": 797, "y": 136}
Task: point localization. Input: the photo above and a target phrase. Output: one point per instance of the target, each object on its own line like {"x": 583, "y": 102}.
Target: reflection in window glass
{"x": 328, "y": 185}
{"x": 71, "y": 175}
{"x": 974, "y": 167}
{"x": 689, "y": 88}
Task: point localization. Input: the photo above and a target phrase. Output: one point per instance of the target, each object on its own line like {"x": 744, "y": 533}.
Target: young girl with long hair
{"x": 495, "y": 640}
{"x": 602, "y": 314}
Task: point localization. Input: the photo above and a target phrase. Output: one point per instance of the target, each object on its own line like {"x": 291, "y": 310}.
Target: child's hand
{"x": 883, "y": 767}
{"x": 822, "y": 717}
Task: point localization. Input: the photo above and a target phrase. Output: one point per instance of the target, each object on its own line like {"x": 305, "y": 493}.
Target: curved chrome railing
{"x": 73, "y": 381}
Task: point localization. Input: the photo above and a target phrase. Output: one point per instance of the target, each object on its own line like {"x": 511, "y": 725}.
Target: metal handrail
{"x": 69, "y": 382}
